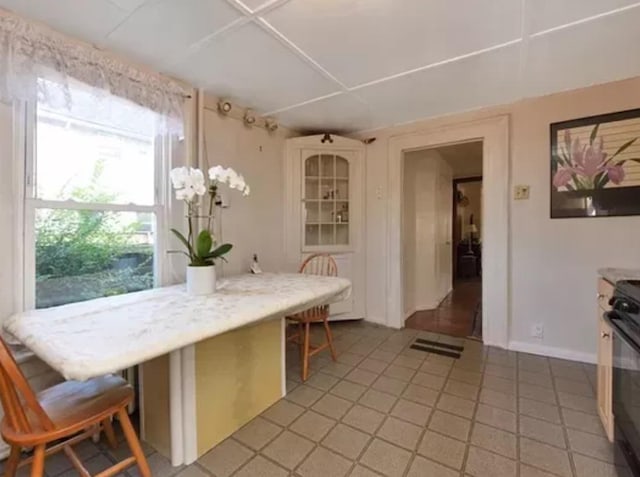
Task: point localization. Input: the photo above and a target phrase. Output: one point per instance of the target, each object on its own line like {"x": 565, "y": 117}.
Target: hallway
{"x": 455, "y": 314}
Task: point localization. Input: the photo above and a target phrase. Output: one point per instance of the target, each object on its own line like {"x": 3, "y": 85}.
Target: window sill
{"x": 21, "y": 353}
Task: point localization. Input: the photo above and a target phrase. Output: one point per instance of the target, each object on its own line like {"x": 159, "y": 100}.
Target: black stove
{"x": 624, "y": 319}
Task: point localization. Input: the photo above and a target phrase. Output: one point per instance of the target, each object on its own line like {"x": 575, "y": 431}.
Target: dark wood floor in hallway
{"x": 455, "y": 314}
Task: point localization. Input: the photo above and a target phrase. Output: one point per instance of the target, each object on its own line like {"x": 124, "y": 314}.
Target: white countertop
{"x": 614, "y": 275}
{"x": 93, "y": 338}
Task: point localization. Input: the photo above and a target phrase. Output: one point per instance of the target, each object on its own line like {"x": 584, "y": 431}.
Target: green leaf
{"x": 594, "y": 133}
{"x": 184, "y": 241}
{"x": 601, "y": 180}
{"x": 204, "y": 242}
{"x": 179, "y": 251}
{"x": 220, "y": 251}
{"x": 623, "y": 148}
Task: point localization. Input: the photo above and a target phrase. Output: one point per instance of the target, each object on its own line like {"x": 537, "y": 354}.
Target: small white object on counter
{"x": 614, "y": 275}
{"x": 97, "y": 337}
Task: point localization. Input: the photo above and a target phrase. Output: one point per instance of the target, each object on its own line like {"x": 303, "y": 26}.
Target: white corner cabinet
{"x": 605, "y": 359}
{"x": 324, "y": 209}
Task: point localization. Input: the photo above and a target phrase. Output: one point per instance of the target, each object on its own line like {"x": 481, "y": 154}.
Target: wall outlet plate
{"x": 521, "y": 192}
{"x": 537, "y": 330}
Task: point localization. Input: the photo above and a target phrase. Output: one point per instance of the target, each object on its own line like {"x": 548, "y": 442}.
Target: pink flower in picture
{"x": 562, "y": 177}
{"x": 587, "y": 165}
{"x": 615, "y": 174}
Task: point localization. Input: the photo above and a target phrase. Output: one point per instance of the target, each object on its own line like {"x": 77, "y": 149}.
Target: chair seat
{"x": 74, "y": 405}
{"x": 310, "y": 316}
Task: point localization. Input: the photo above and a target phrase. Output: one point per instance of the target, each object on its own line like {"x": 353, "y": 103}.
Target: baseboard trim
{"x": 552, "y": 352}
{"x": 378, "y": 320}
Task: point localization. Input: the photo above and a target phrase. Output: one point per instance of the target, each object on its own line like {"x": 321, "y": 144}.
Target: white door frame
{"x": 494, "y": 132}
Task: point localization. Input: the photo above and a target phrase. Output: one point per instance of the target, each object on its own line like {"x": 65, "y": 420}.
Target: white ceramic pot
{"x": 201, "y": 280}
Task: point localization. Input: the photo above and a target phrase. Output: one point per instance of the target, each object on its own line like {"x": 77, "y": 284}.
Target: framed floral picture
{"x": 595, "y": 166}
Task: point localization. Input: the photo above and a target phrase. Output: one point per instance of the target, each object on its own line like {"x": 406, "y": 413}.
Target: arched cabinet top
{"x": 339, "y": 142}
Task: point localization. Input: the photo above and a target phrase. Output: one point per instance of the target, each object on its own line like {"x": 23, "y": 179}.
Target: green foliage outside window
{"x": 86, "y": 254}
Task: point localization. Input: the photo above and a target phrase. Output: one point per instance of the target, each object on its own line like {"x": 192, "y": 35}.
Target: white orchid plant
{"x": 191, "y": 187}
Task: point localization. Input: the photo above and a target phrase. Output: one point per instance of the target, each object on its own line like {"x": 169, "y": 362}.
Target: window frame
{"x": 25, "y": 130}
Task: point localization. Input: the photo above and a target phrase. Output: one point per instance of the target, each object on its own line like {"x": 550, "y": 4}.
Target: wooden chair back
{"x": 19, "y": 402}
{"x": 320, "y": 264}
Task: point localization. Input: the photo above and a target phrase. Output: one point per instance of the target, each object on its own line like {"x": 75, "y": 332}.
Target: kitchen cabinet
{"x": 324, "y": 210}
{"x": 605, "y": 359}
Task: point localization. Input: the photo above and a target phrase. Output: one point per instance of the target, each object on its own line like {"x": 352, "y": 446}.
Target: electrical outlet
{"x": 537, "y": 330}
{"x": 521, "y": 192}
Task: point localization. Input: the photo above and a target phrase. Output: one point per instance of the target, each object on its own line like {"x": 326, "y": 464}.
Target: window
{"x": 94, "y": 200}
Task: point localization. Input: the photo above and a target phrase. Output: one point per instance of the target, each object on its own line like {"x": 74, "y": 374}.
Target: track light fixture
{"x": 249, "y": 118}
{"x": 225, "y": 106}
{"x": 271, "y": 124}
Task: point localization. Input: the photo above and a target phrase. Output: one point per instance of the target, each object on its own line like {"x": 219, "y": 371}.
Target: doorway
{"x": 494, "y": 133}
{"x": 442, "y": 221}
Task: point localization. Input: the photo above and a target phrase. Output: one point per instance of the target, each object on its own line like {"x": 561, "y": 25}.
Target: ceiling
{"x": 353, "y": 65}
{"x": 465, "y": 159}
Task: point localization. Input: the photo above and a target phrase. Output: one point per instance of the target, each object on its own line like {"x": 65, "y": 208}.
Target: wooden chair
{"x": 63, "y": 415}
{"x": 318, "y": 264}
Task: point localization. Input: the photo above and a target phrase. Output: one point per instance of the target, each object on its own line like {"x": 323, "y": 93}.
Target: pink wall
{"x": 553, "y": 263}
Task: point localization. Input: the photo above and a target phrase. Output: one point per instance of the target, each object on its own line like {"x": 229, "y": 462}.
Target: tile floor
{"x": 386, "y": 410}
{"x": 455, "y": 314}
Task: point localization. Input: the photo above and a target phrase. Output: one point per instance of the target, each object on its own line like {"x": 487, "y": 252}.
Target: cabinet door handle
{"x": 605, "y": 334}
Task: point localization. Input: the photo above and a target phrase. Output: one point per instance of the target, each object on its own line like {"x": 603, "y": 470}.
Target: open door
{"x": 444, "y": 232}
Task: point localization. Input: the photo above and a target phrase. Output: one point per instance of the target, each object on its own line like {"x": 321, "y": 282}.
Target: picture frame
{"x": 595, "y": 166}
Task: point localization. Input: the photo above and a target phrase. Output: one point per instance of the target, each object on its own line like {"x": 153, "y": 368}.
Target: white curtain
{"x": 38, "y": 63}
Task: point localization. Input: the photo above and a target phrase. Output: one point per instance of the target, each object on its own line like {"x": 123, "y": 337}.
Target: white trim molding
{"x": 494, "y": 133}
{"x": 552, "y": 352}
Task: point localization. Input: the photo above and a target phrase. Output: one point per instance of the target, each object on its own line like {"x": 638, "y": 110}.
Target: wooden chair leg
{"x": 327, "y": 331}
{"x": 301, "y": 341}
{"x": 305, "y": 357}
{"x": 109, "y": 434}
{"x": 37, "y": 466}
{"x": 134, "y": 443}
{"x": 12, "y": 462}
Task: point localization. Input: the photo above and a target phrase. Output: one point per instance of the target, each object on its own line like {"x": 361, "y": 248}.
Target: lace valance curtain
{"x": 30, "y": 51}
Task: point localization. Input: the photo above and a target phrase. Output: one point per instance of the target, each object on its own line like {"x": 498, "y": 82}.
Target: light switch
{"x": 521, "y": 192}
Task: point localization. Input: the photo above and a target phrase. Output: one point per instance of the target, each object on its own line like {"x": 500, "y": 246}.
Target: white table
{"x": 89, "y": 339}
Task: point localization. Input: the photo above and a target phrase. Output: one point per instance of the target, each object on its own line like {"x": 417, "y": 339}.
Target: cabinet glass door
{"x": 326, "y": 201}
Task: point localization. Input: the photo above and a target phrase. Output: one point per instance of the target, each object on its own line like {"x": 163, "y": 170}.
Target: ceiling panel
{"x": 545, "y": 14}
{"x": 130, "y": 5}
{"x": 251, "y": 66}
{"x": 589, "y": 53}
{"x": 358, "y": 41}
{"x": 342, "y": 112}
{"x": 482, "y": 80}
{"x": 161, "y": 31}
{"x": 254, "y": 5}
{"x": 88, "y": 20}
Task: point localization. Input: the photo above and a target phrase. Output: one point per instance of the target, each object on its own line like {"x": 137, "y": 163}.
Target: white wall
{"x": 553, "y": 263}
{"x": 7, "y": 214}
{"x": 253, "y": 224}
{"x": 409, "y": 237}
{"x": 422, "y": 170}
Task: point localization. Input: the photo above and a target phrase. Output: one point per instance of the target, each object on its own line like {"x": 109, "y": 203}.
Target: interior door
{"x": 444, "y": 233}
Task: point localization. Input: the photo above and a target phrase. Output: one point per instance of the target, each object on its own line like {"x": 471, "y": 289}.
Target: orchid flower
{"x": 189, "y": 184}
